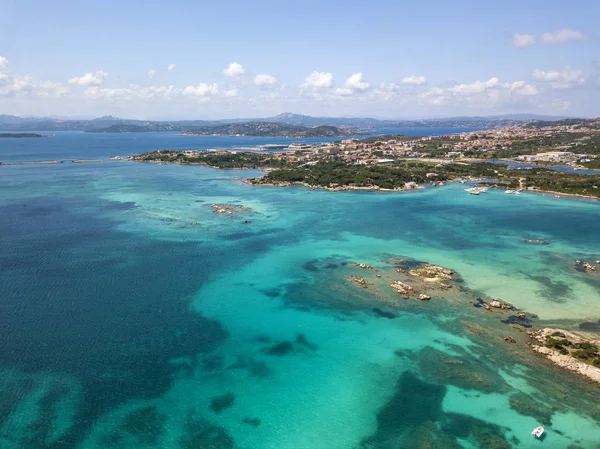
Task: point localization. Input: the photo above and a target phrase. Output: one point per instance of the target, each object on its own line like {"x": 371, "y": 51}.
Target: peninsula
{"x": 394, "y": 162}
{"x": 20, "y": 135}
{"x": 268, "y": 129}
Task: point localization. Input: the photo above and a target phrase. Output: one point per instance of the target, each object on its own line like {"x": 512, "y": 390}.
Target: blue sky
{"x": 199, "y": 59}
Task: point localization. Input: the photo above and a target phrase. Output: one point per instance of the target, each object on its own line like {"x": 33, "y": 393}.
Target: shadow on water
{"x": 99, "y": 305}
{"x": 414, "y": 417}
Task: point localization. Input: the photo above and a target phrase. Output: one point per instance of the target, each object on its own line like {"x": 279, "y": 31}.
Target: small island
{"x": 20, "y": 135}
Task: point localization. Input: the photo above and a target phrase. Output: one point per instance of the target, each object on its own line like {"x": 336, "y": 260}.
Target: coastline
{"x": 354, "y": 188}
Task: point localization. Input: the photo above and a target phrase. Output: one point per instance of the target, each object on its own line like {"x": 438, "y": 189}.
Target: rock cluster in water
{"x": 229, "y": 209}
{"x": 586, "y": 266}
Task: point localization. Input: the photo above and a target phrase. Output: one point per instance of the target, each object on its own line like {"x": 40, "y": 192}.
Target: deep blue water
{"x": 80, "y": 145}
{"x": 132, "y": 316}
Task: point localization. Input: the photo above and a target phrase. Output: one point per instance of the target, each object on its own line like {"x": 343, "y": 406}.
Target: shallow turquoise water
{"x": 133, "y": 316}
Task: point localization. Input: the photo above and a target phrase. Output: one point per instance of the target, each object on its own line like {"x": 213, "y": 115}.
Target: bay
{"x": 134, "y": 316}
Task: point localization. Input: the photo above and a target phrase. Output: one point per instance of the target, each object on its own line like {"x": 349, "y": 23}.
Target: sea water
{"x": 134, "y": 316}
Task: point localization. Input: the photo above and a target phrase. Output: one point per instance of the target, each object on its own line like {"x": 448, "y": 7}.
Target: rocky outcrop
{"x": 585, "y": 266}
{"x": 401, "y": 288}
{"x": 568, "y": 362}
{"x": 364, "y": 266}
{"x": 536, "y": 241}
{"x": 432, "y": 272}
{"x": 568, "y": 350}
{"x": 501, "y": 305}
{"x": 360, "y": 281}
{"x": 229, "y": 209}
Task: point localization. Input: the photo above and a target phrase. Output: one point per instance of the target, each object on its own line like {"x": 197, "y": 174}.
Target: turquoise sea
{"x": 132, "y": 316}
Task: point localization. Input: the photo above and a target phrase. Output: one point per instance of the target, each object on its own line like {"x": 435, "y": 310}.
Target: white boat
{"x": 476, "y": 190}
{"x": 538, "y": 432}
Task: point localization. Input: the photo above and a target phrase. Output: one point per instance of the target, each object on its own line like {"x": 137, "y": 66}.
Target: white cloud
{"x": 152, "y": 72}
{"x": 131, "y": 92}
{"x": 234, "y": 69}
{"x": 522, "y": 88}
{"x": 564, "y": 35}
{"x": 231, "y": 92}
{"x": 318, "y": 80}
{"x": 25, "y": 85}
{"x": 171, "y": 67}
{"x": 523, "y": 40}
{"x": 201, "y": 90}
{"x": 475, "y": 87}
{"x": 3, "y": 62}
{"x": 560, "y": 80}
{"x": 344, "y": 91}
{"x": 416, "y": 80}
{"x": 155, "y": 91}
{"x": 389, "y": 87}
{"x": 265, "y": 80}
{"x": 90, "y": 79}
{"x": 354, "y": 84}
{"x": 488, "y": 93}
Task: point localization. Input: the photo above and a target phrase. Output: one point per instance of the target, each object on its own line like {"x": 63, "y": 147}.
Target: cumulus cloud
{"x": 90, "y": 79}
{"x": 234, "y": 69}
{"x": 133, "y": 91}
{"x": 24, "y": 85}
{"x": 389, "y": 87}
{"x": 416, "y": 80}
{"x": 483, "y": 93}
{"x": 353, "y": 85}
{"x": 152, "y": 72}
{"x": 557, "y": 37}
{"x": 563, "y": 79}
{"x": 356, "y": 82}
{"x": 201, "y": 90}
{"x": 231, "y": 92}
{"x": 318, "y": 80}
{"x": 265, "y": 80}
{"x": 523, "y": 40}
{"x": 171, "y": 67}
{"x": 564, "y": 35}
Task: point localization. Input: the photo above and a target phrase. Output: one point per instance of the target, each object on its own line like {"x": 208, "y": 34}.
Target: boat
{"x": 476, "y": 190}
{"x": 513, "y": 192}
{"x": 538, "y": 432}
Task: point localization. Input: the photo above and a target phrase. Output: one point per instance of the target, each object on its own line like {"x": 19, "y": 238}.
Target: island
{"x": 268, "y": 129}
{"x": 20, "y": 135}
{"x": 129, "y": 128}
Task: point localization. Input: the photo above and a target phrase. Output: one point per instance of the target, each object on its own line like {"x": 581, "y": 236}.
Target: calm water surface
{"x": 133, "y": 316}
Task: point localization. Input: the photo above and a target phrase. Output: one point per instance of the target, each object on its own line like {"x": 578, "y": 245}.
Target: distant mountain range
{"x": 119, "y": 125}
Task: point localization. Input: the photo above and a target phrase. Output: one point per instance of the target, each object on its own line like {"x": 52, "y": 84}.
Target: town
{"x": 395, "y": 162}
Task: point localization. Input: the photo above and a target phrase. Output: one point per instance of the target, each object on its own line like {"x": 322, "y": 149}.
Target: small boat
{"x": 538, "y": 432}
{"x": 476, "y": 190}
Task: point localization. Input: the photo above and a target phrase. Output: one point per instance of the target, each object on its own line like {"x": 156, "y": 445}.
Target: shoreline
{"x": 355, "y": 188}
{"x": 405, "y": 285}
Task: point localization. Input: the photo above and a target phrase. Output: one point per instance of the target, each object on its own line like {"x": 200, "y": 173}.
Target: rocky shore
{"x": 408, "y": 279}
{"x": 569, "y": 351}
{"x": 409, "y": 186}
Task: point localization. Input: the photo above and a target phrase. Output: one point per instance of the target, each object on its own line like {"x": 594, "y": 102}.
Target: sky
{"x": 223, "y": 59}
